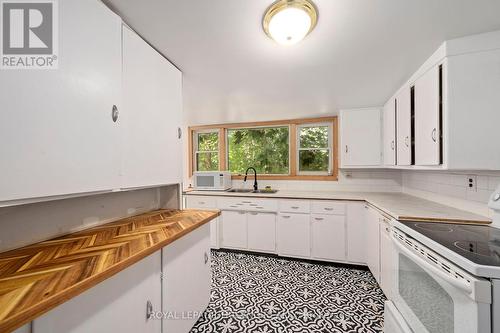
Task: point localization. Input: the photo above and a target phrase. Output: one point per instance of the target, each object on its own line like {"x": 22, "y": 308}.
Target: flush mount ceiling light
{"x": 289, "y": 21}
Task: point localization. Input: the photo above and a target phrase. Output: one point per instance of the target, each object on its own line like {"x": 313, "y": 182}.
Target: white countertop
{"x": 398, "y": 205}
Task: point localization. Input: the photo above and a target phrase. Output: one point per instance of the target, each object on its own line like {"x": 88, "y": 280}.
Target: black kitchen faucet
{"x": 255, "y": 186}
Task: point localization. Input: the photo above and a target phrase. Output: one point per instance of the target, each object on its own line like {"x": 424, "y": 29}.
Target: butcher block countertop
{"x": 37, "y": 278}
{"x": 400, "y": 206}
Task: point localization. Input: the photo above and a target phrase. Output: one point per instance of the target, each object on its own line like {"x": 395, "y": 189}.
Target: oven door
{"x": 435, "y": 296}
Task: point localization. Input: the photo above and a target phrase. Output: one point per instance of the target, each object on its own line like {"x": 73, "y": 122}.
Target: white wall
{"x": 30, "y": 223}
{"x": 451, "y": 188}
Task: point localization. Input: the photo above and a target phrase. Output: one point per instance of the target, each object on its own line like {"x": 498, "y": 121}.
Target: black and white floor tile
{"x": 263, "y": 294}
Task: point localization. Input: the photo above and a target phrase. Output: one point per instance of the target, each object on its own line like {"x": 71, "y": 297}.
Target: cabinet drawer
{"x": 201, "y": 202}
{"x": 248, "y": 204}
{"x": 328, "y": 207}
{"x": 294, "y": 206}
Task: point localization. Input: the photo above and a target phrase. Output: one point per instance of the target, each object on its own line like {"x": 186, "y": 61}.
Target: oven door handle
{"x": 466, "y": 287}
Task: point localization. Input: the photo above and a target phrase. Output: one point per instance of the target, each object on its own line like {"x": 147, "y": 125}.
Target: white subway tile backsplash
{"x": 493, "y": 183}
{"x": 480, "y": 195}
{"x": 452, "y": 185}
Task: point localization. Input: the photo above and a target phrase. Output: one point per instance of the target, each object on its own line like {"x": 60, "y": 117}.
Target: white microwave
{"x": 212, "y": 180}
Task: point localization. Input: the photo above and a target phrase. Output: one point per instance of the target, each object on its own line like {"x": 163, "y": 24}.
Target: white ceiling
{"x": 360, "y": 52}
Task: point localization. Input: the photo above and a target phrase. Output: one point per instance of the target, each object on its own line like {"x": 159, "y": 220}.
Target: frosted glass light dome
{"x": 289, "y": 21}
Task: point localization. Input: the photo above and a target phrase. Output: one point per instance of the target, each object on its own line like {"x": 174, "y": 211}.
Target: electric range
{"x": 477, "y": 243}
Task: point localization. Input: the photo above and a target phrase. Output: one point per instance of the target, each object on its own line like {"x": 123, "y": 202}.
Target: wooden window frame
{"x": 293, "y": 148}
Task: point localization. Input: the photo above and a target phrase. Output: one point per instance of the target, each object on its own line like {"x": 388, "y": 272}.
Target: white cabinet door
{"x": 427, "y": 118}
{"x": 57, "y": 135}
{"x": 201, "y": 202}
{"x": 261, "y": 231}
{"x": 360, "y": 137}
{"x": 294, "y": 235}
{"x": 328, "y": 237}
{"x": 150, "y": 115}
{"x": 234, "y": 229}
{"x": 186, "y": 280}
{"x": 356, "y": 232}
{"x": 390, "y": 132}
{"x": 373, "y": 242}
{"x": 386, "y": 267}
{"x": 403, "y": 109}
{"x": 117, "y": 304}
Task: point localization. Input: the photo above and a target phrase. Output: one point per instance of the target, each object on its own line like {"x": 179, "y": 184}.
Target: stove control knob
{"x": 496, "y": 197}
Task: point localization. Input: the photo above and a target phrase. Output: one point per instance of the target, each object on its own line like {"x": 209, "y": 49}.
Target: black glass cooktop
{"x": 480, "y": 244}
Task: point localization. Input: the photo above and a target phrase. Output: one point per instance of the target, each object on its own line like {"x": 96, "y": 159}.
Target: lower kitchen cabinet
{"x": 261, "y": 231}
{"x": 117, "y": 304}
{"x": 328, "y": 237}
{"x": 200, "y": 202}
{"x": 373, "y": 241}
{"x": 356, "y": 233}
{"x": 234, "y": 229}
{"x": 294, "y": 235}
{"x": 386, "y": 260}
{"x": 186, "y": 280}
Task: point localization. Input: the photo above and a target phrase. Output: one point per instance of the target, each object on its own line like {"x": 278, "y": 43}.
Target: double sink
{"x": 247, "y": 190}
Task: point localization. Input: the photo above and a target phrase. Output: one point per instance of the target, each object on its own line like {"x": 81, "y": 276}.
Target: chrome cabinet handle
{"x": 407, "y": 141}
{"x": 319, "y": 218}
{"x": 206, "y": 257}
{"x": 392, "y": 144}
{"x": 294, "y": 207}
{"x": 114, "y": 113}
{"x": 179, "y": 132}
{"x": 329, "y": 209}
{"x": 286, "y": 216}
{"x": 149, "y": 310}
{"x": 433, "y": 135}
{"x": 247, "y": 202}
{"x": 346, "y": 149}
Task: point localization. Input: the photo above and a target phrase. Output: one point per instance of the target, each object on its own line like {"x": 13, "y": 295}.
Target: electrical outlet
{"x": 472, "y": 183}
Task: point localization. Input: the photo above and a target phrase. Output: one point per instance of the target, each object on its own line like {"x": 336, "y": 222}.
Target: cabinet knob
{"x": 433, "y": 135}
{"x": 294, "y": 207}
{"x": 114, "y": 113}
{"x": 318, "y": 218}
{"x": 179, "y": 132}
{"x": 407, "y": 141}
{"x": 392, "y": 144}
{"x": 346, "y": 149}
{"x": 286, "y": 216}
{"x": 149, "y": 310}
{"x": 205, "y": 257}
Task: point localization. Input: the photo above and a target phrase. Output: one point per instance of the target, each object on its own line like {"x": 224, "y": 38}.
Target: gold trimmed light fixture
{"x": 289, "y": 21}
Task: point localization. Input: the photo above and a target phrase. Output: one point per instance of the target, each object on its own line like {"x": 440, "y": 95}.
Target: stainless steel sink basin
{"x": 265, "y": 191}
{"x": 247, "y": 190}
{"x": 240, "y": 190}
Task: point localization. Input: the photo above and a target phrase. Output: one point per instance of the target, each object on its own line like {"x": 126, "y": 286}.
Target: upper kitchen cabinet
{"x": 428, "y": 117}
{"x": 57, "y": 130}
{"x": 151, "y": 117}
{"x": 360, "y": 137}
{"x": 389, "y": 140}
{"x": 404, "y": 137}
{"x": 447, "y": 114}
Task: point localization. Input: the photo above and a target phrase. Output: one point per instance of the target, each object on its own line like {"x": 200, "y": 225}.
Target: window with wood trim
{"x": 289, "y": 149}
{"x": 206, "y": 152}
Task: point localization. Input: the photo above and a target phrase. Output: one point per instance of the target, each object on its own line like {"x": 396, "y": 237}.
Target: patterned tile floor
{"x": 263, "y": 294}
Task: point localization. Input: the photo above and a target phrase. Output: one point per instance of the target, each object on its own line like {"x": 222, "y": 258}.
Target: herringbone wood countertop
{"x": 37, "y": 278}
